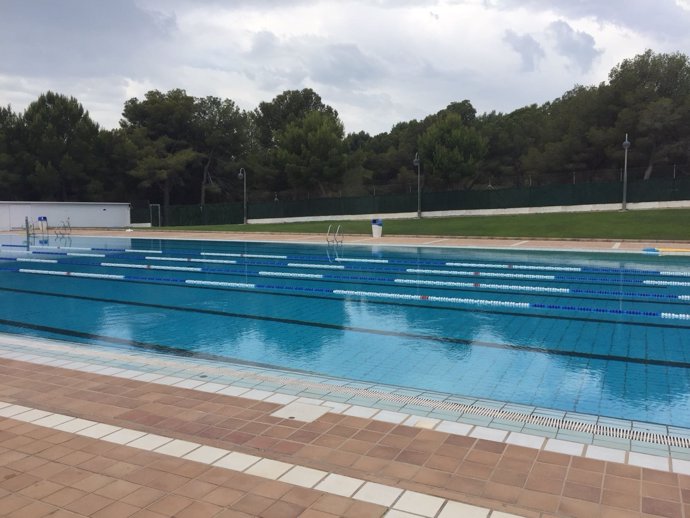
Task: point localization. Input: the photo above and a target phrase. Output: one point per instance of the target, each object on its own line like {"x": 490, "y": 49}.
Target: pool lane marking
{"x": 32, "y": 260}
{"x": 435, "y": 272}
{"x": 154, "y": 267}
{"x": 256, "y": 256}
{"x": 307, "y": 323}
{"x": 483, "y": 285}
{"x": 440, "y": 284}
{"x": 74, "y": 274}
{"x": 191, "y": 260}
{"x": 424, "y": 298}
{"x": 516, "y": 267}
{"x": 481, "y": 274}
{"x": 440, "y": 262}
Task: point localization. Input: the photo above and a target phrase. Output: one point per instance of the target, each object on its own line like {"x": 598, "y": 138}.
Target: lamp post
{"x": 417, "y": 163}
{"x": 626, "y": 145}
{"x": 242, "y": 175}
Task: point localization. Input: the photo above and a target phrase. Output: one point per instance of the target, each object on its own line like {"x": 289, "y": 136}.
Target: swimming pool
{"x": 603, "y": 334}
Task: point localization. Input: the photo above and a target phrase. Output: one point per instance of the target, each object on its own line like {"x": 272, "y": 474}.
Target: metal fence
{"x": 549, "y": 195}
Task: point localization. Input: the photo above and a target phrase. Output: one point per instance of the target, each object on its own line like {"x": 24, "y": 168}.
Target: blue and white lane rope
{"x": 385, "y": 295}
{"x": 439, "y": 262}
{"x": 510, "y": 287}
{"x": 532, "y": 289}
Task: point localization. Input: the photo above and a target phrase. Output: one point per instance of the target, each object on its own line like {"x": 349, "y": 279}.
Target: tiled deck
{"x": 107, "y": 466}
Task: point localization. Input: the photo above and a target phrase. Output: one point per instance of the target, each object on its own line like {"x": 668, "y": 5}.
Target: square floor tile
{"x": 419, "y": 503}
{"x": 360, "y": 411}
{"x": 378, "y": 494}
{"x": 150, "y": 442}
{"x": 53, "y": 420}
{"x": 305, "y": 477}
{"x": 389, "y": 416}
{"x": 648, "y": 461}
{"x": 301, "y": 412}
{"x": 177, "y": 448}
{"x": 454, "y": 428}
{"x": 567, "y": 447}
{"x": 490, "y": 434}
{"x": 75, "y": 425}
{"x": 340, "y": 485}
{"x": 605, "y": 454}
{"x": 524, "y": 439}
{"x": 31, "y": 415}
{"x": 206, "y": 454}
{"x": 681, "y": 466}
{"x": 237, "y": 461}
{"x": 98, "y": 430}
{"x": 123, "y": 436}
{"x": 268, "y": 468}
{"x": 458, "y": 509}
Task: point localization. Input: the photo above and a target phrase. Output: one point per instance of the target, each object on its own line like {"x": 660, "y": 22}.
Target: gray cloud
{"x": 576, "y": 46}
{"x": 664, "y": 19}
{"x": 529, "y": 49}
{"x": 77, "y": 37}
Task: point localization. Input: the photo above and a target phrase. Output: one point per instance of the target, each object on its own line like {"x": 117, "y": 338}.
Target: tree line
{"x": 171, "y": 147}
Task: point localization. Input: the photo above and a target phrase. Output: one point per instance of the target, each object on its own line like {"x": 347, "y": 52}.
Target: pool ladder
{"x": 335, "y": 238}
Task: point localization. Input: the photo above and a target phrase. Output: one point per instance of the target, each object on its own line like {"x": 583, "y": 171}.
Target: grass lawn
{"x": 668, "y": 224}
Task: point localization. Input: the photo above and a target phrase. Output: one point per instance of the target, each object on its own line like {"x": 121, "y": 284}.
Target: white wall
{"x": 92, "y": 215}
{"x": 487, "y": 212}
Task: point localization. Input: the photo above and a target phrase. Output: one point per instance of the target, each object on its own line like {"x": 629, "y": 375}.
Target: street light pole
{"x": 417, "y": 163}
{"x": 242, "y": 175}
{"x": 626, "y": 145}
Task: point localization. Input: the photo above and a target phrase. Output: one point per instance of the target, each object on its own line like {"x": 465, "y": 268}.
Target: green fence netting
{"x": 549, "y": 195}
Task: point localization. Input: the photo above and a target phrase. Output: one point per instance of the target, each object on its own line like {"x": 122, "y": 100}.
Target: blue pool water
{"x": 606, "y": 334}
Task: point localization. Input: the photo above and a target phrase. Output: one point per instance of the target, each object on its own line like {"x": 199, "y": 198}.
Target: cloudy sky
{"x": 377, "y": 62}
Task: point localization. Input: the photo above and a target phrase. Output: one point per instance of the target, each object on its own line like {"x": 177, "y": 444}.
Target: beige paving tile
{"x": 123, "y": 436}
{"x": 388, "y": 416}
{"x": 360, "y": 411}
{"x": 458, "y": 509}
{"x": 419, "y": 503}
{"x": 648, "y": 461}
{"x": 98, "y": 430}
{"x": 491, "y": 434}
{"x": 454, "y": 428}
{"x": 567, "y": 447}
{"x": 53, "y": 420}
{"x": 300, "y": 412}
{"x": 377, "y": 494}
{"x": 206, "y": 454}
{"x": 75, "y": 425}
{"x": 340, "y": 485}
{"x": 681, "y": 466}
{"x": 177, "y": 448}
{"x": 302, "y": 476}
{"x": 237, "y": 461}
{"x": 268, "y": 468}
{"x": 523, "y": 439}
{"x": 150, "y": 442}
{"x": 604, "y": 453}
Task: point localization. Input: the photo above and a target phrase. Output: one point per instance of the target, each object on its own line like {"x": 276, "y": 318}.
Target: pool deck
{"x": 106, "y": 432}
{"x": 516, "y": 243}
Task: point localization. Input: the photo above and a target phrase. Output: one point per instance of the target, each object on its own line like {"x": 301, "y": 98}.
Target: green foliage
{"x": 311, "y": 152}
{"x": 454, "y": 151}
{"x": 175, "y": 148}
